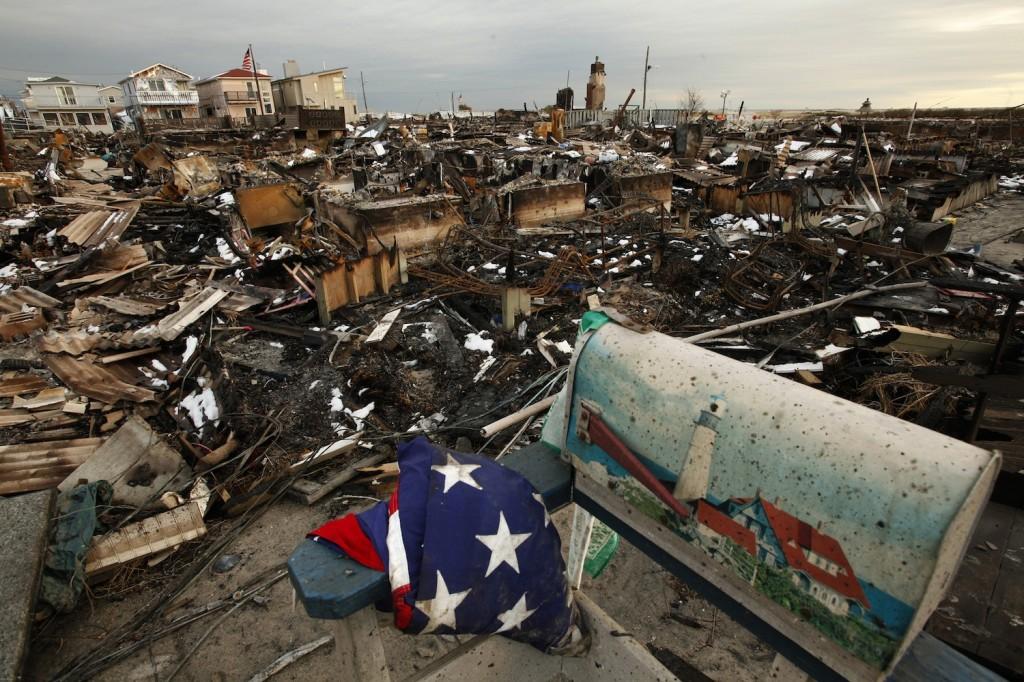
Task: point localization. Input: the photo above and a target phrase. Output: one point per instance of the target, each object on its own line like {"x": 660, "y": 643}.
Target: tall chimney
{"x": 291, "y": 68}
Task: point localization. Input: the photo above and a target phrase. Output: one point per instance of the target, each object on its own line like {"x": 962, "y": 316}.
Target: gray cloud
{"x": 791, "y": 54}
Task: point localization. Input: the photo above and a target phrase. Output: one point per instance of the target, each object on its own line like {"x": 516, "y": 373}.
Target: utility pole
{"x": 366, "y": 108}
{"x": 647, "y": 56}
{"x": 256, "y": 82}
{"x": 913, "y": 115}
{"x": 453, "y": 104}
{"x": 725, "y": 96}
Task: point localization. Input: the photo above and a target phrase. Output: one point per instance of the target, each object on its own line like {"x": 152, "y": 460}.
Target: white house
{"x": 160, "y": 93}
{"x": 57, "y": 102}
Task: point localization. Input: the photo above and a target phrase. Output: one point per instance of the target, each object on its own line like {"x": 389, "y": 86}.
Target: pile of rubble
{"x": 211, "y": 320}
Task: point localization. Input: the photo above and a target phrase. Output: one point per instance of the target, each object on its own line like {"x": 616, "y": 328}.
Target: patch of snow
{"x": 476, "y": 341}
{"x": 201, "y": 407}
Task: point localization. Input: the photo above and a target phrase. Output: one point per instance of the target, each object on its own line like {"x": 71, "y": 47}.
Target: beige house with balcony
{"x": 233, "y": 93}
{"x": 160, "y": 93}
{"x": 57, "y": 102}
{"x": 316, "y": 90}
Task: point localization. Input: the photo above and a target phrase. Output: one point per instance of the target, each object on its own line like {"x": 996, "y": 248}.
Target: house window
{"x": 50, "y": 118}
{"x": 110, "y": 98}
{"x": 209, "y": 111}
{"x": 66, "y": 95}
{"x": 339, "y": 87}
{"x": 173, "y": 114}
{"x": 67, "y": 119}
{"x": 250, "y": 112}
{"x": 316, "y": 87}
{"x": 99, "y": 119}
{"x": 268, "y": 109}
{"x": 157, "y": 84}
{"x": 83, "y": 119}
{"x": 250, "y": 88}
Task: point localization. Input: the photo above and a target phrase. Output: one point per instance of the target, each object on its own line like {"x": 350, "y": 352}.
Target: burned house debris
{"x": 214, "y": 320}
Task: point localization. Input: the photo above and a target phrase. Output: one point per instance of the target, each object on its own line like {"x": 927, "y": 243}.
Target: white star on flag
{"x": 540, "y": 501}
{"x": 441, "y": 609}
{"x": 503, "y": 546}
{"x": 515, "y": 616}
{"x": 454, "y": 472}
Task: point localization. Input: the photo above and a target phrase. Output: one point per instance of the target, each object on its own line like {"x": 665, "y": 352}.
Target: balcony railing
{"x": 185, "y": 97}
{"x": 239, "y": 96}
{"x": 76, "y": 101}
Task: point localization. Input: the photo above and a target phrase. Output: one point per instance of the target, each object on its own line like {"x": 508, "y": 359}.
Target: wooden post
{"x": 5, "y": 160}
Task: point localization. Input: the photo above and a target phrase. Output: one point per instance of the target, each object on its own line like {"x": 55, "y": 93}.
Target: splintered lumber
{"x": 284, "y": 660}
{"x": 45, "y": 398}
{"x": 311, "y": 491}
{"x": 25, "y": 383}
{"x": 149, "y": 536}
{"x": 38, "y": 466}
{"x": 200, "y": 304}
{"x": 383, "y": 327}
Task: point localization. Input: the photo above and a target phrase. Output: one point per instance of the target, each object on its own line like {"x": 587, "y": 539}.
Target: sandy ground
{"x": 633, "y": 590}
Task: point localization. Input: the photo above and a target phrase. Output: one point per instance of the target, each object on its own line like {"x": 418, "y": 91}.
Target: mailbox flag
{"x": 469, "y": 548}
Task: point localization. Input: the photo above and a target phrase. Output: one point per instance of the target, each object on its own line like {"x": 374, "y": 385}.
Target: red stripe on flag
{"x": 346, "y": 534}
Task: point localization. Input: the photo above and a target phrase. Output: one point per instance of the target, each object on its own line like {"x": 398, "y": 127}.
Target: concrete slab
{"x": 24, "y": 522}
{"x": 614, "y": 656}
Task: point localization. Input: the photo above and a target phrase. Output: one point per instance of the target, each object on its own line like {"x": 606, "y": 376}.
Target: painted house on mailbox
{"x": 777, "y": 539}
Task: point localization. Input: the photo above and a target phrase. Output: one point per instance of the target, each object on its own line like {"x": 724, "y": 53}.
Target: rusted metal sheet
{"x": 14, "y": 301}
{"x": 195, "y": 176}
{"x": 23, "y": 323}
{"x": 416, "y": 224}
{"x": 73, "y": 342}
{"x": 351, "y": 281}
{"x": 153, "y": 157}
{"x": 38, "y": 466}
{"x": 532, "y": 206}
{"x": 94, "y": 381}
{"x": 92, "y": 228}
{"x": 270, "y": 204}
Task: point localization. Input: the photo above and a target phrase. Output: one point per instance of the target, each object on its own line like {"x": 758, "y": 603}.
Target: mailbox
{"x": 838, "y": 525}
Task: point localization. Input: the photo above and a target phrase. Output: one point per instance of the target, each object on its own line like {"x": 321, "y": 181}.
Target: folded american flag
{"x": 468, "y": 547}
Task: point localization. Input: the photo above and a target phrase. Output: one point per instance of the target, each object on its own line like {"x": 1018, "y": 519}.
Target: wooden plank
{"x": 963, "y": 618}
{"x": 45, "y": 398}
{"x": 171, "y": 326}
{"x": 24, "y": 383}
{"x": 383, "y": 327}
{"x": 136, "y": 462}
{"x": 149, "y": 536}
{"x": 311, "y": 492}
{"x": 1004, "y": 644}
{"x": 107, "y": 359}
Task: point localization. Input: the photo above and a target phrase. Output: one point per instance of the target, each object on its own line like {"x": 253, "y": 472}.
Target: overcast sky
{"x": 782, "y": 55}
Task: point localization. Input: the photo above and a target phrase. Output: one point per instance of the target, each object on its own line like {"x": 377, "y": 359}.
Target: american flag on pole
{"x": 468, "y": 547}
{"x": 247, "y": 60}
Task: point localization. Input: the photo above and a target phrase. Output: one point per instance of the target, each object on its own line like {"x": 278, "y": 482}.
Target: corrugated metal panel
{"x": 94, "y": 381}
{"x": 38, "y": 466}
{"x": 92, "y": 228}
{"x": 12, "y": 301}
